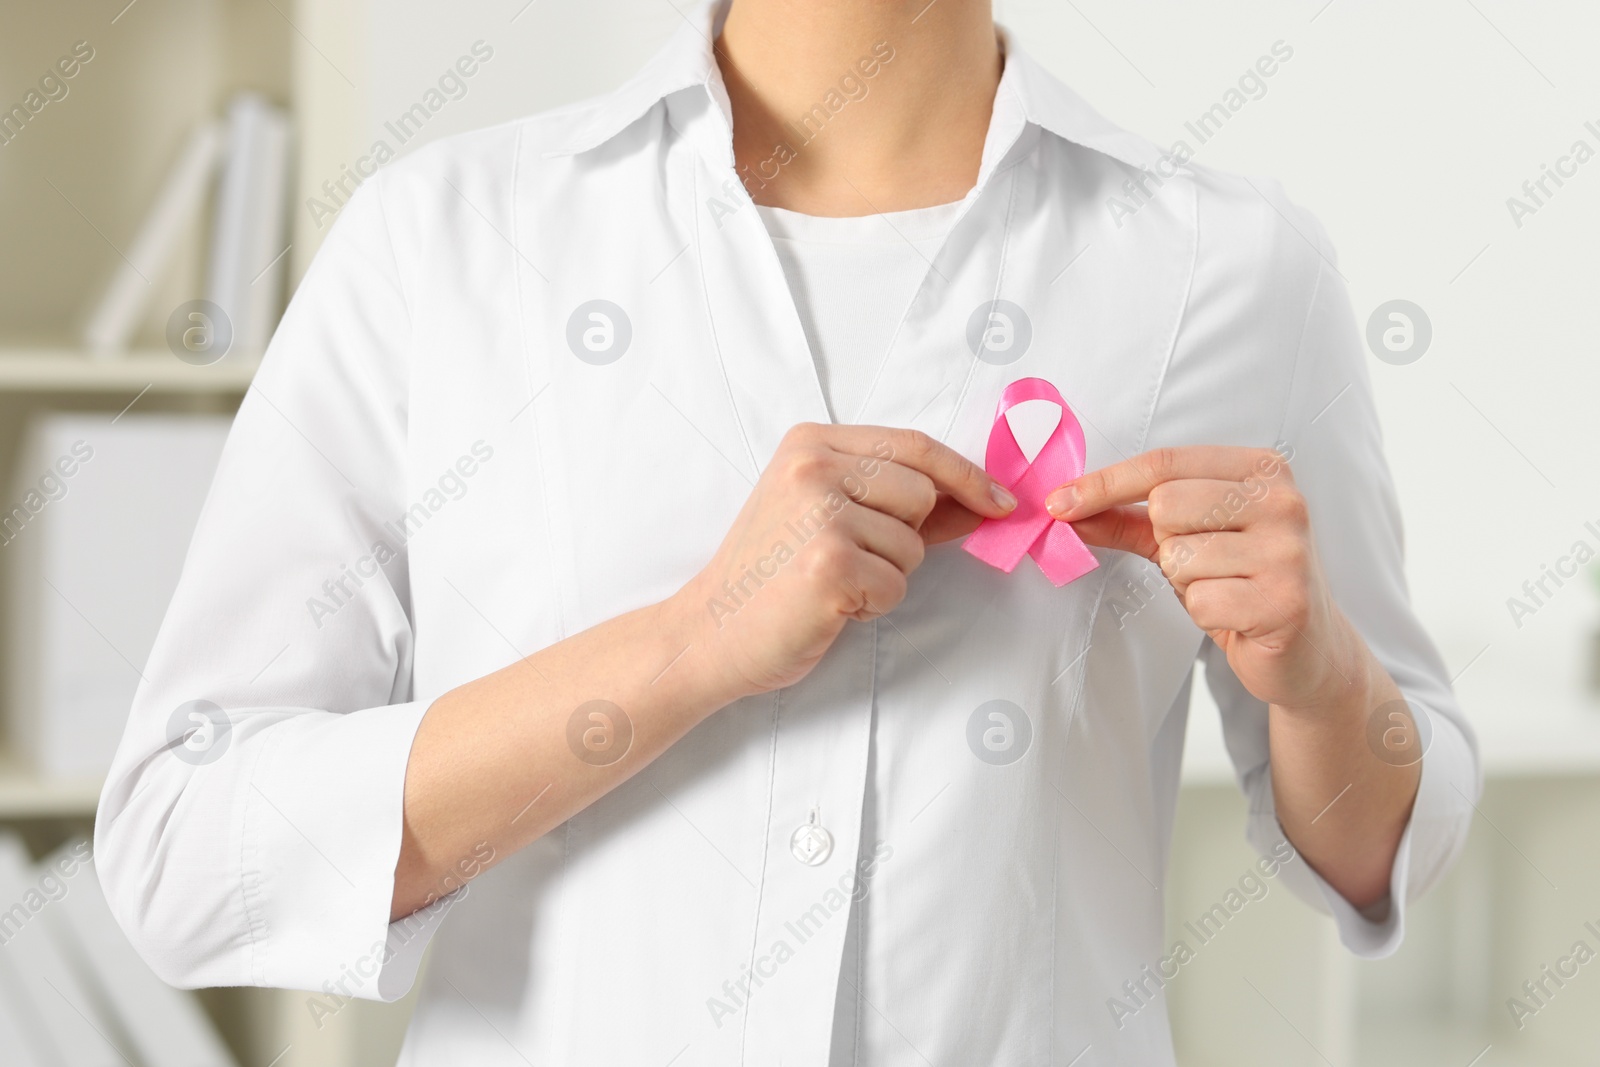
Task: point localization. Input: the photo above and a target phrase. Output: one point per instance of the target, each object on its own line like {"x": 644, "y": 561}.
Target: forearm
{"x": 1343, "y": 806}
{"x": 498, "y": 762}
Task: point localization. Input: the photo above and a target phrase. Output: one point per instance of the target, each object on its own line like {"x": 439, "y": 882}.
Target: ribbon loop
{"x": 1030, "y": 530}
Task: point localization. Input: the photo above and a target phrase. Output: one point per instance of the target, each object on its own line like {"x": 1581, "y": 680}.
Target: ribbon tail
{"x": 1062, "y": 555}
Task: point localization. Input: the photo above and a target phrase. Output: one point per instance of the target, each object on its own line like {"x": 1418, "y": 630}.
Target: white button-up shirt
{"x": 524, "y": 388}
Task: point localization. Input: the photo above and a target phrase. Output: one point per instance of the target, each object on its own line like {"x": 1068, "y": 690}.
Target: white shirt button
{"x": 811, "y": 844}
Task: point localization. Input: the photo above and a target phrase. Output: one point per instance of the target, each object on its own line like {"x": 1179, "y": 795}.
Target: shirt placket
{"x": 821, "y": 731}
{"x": 821, "y": 735}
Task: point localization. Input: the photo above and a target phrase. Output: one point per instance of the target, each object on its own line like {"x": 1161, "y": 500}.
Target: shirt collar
{"x": 1027, "y": 92}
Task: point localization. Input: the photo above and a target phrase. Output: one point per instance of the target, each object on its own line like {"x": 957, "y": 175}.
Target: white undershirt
{"x": 852, "y": 279}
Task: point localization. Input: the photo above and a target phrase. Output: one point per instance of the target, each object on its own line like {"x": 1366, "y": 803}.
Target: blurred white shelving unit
{"x": 24, "y": 795}
{"x": 75, "y": 185}
{"x": 34, "y": 371}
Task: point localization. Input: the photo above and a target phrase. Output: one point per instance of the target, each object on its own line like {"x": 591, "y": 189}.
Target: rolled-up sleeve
{"x": 249, "y": 827}
{"x": 1332, "y": 436}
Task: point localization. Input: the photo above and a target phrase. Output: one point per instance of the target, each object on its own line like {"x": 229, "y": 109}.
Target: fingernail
{"x": 1002, "y": 496}
{"x": 1061, "y": 502}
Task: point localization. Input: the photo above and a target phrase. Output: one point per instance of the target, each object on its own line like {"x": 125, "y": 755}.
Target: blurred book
{"x": 159, "y": 1026}
{"x": 76, "y": 993}
{"x": 245, "y": 273}
{"x": 122, "y": 308}
{"x": 93, "y": 548}
{"x": 245, "y": 160}
{"x": 59, "y": 1023}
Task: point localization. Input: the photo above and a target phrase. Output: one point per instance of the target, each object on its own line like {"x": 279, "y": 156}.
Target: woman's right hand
{"x": 853, "y": 508}
{"x": 835, "y": 525}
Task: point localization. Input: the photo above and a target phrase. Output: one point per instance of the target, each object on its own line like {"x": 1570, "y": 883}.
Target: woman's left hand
{"x": 1231, "y": 532}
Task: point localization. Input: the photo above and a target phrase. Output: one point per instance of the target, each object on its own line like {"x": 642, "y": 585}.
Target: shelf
{"x": 72, "y": 371}
{"x": 1430, "y": 1039}
{"x": 24, "y": 795}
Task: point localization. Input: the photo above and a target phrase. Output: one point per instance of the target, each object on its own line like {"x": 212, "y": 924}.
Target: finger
{"x": 1229, "y": 604}
{"x": 1131, "y": 480}
{"x": 906, "y": 495}
{"x": 951, "y": 472}
{"x": 1125, "y": 528}
{"x": 885, "y": 536}
{"x": 874, "y": 585}
{"x": 949, "y": 520}
{"x": 1205, "y": 505}
{"x": 1190, "y": 558}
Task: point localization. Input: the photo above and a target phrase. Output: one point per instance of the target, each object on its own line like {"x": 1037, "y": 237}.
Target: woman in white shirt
{"x": 591, "y": 535}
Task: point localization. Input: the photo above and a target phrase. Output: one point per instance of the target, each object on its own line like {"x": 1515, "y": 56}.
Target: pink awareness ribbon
{"x": 1030, "y": 530}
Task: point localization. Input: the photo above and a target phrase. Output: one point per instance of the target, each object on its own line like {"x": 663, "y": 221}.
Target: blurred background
{"x": 168, "y": 168}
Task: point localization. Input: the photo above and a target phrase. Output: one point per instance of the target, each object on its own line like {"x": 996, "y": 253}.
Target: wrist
{"x": 1353, "y": 680}
{"x": 703, "y": 670}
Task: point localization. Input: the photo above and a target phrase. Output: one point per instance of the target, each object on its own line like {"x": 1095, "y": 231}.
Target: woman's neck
{"x": 851, "y": 107}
